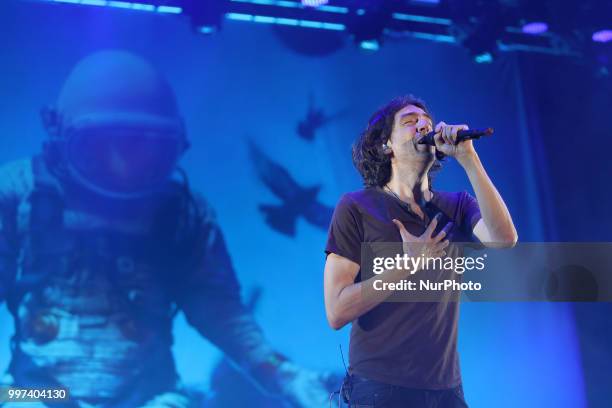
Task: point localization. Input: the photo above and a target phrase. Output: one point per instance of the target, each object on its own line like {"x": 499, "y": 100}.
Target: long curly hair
{"x": 368, "y": 156}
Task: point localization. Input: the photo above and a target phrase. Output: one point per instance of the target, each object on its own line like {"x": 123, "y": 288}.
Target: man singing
{"x": 405, "y": 354}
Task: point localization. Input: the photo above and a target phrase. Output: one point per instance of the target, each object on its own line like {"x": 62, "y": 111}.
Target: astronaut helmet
{"x": 116, "y": 129}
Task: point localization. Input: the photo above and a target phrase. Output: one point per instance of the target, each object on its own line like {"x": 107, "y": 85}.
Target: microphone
{"x": 462, "y": 135}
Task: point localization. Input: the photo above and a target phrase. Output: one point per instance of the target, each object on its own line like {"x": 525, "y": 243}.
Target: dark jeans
{"x": 372, "y": 394}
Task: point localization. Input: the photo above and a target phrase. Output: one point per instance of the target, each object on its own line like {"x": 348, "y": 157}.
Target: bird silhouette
{"x": 296, "y": 201}
{"x": 315, "y": 119}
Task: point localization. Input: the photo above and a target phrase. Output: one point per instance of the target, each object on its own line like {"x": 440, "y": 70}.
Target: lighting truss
{"x": 416, "y": 19}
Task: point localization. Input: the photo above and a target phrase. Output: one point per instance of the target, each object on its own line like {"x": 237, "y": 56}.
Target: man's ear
{"x": 386, "y": 148}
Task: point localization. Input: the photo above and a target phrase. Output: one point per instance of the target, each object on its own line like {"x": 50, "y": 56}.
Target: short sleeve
{"x": 345, "y": 231}
{"x": 469, "y": 212}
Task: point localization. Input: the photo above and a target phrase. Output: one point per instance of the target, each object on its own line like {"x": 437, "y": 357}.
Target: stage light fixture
{"x": 535, "y": 28}
{"x": 602, "y": 36}
{"x": 425, "y": 2}
{"x": 314, "y": 3}
{"x": 483, "y": 58}
{"x": 206, "y": 16}
{"x": 370, "y": 45}
{"x": 367, "y": 24}
{"x": 126, "y": 5}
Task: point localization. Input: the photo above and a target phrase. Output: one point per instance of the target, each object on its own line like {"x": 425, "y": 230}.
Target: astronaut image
{"x": 103, "y": 241}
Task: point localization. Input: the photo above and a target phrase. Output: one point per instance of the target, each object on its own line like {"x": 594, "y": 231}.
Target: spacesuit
{"x": 102, "y": 242}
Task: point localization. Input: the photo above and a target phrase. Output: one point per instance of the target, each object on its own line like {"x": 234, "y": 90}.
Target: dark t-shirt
{"x": 407, "y": 344}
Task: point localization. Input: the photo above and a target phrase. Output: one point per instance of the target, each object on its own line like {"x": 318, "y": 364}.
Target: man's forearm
{"x": 494, "y": 212}
{"x": 357, "y": 299}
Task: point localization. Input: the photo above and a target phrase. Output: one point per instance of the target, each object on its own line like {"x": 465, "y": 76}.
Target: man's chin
{"x": 421, "y": 148}
{"x": 424, "y": 150}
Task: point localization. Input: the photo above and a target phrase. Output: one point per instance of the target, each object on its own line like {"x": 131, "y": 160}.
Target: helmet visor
{"x": 123, "y": 160}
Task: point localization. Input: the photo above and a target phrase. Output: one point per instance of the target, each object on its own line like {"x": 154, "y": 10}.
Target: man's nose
{"x": 423, "y": 127}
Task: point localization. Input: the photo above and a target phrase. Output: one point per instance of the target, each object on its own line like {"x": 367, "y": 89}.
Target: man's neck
{"x": 410, "y": 185}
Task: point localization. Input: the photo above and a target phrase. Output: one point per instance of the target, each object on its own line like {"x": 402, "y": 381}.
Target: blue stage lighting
{"x": 314, "y": 3}
{"x": 425, "y": 2}
{"x": 169, "y": 9}
{"x": 94, "y": 2}
{"x": 284, "y": 21}
{"x": 602, "y": 36}
{"x": 207, "y": 29}
{"x": 143, "y": 7}
{"x": 120, "y": 4}
{"x": 433, "y": 37}
{"x": 166, "y": 9}
{"x": 422, "y": 19}
{"x": 484, "y": 58}
{"x": 535, "y": 28}
{"x": 319, "y": 5}
{"x": 369, "y": 45}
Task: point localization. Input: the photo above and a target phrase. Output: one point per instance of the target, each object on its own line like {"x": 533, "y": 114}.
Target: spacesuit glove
{"x": 303, "y": 388}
